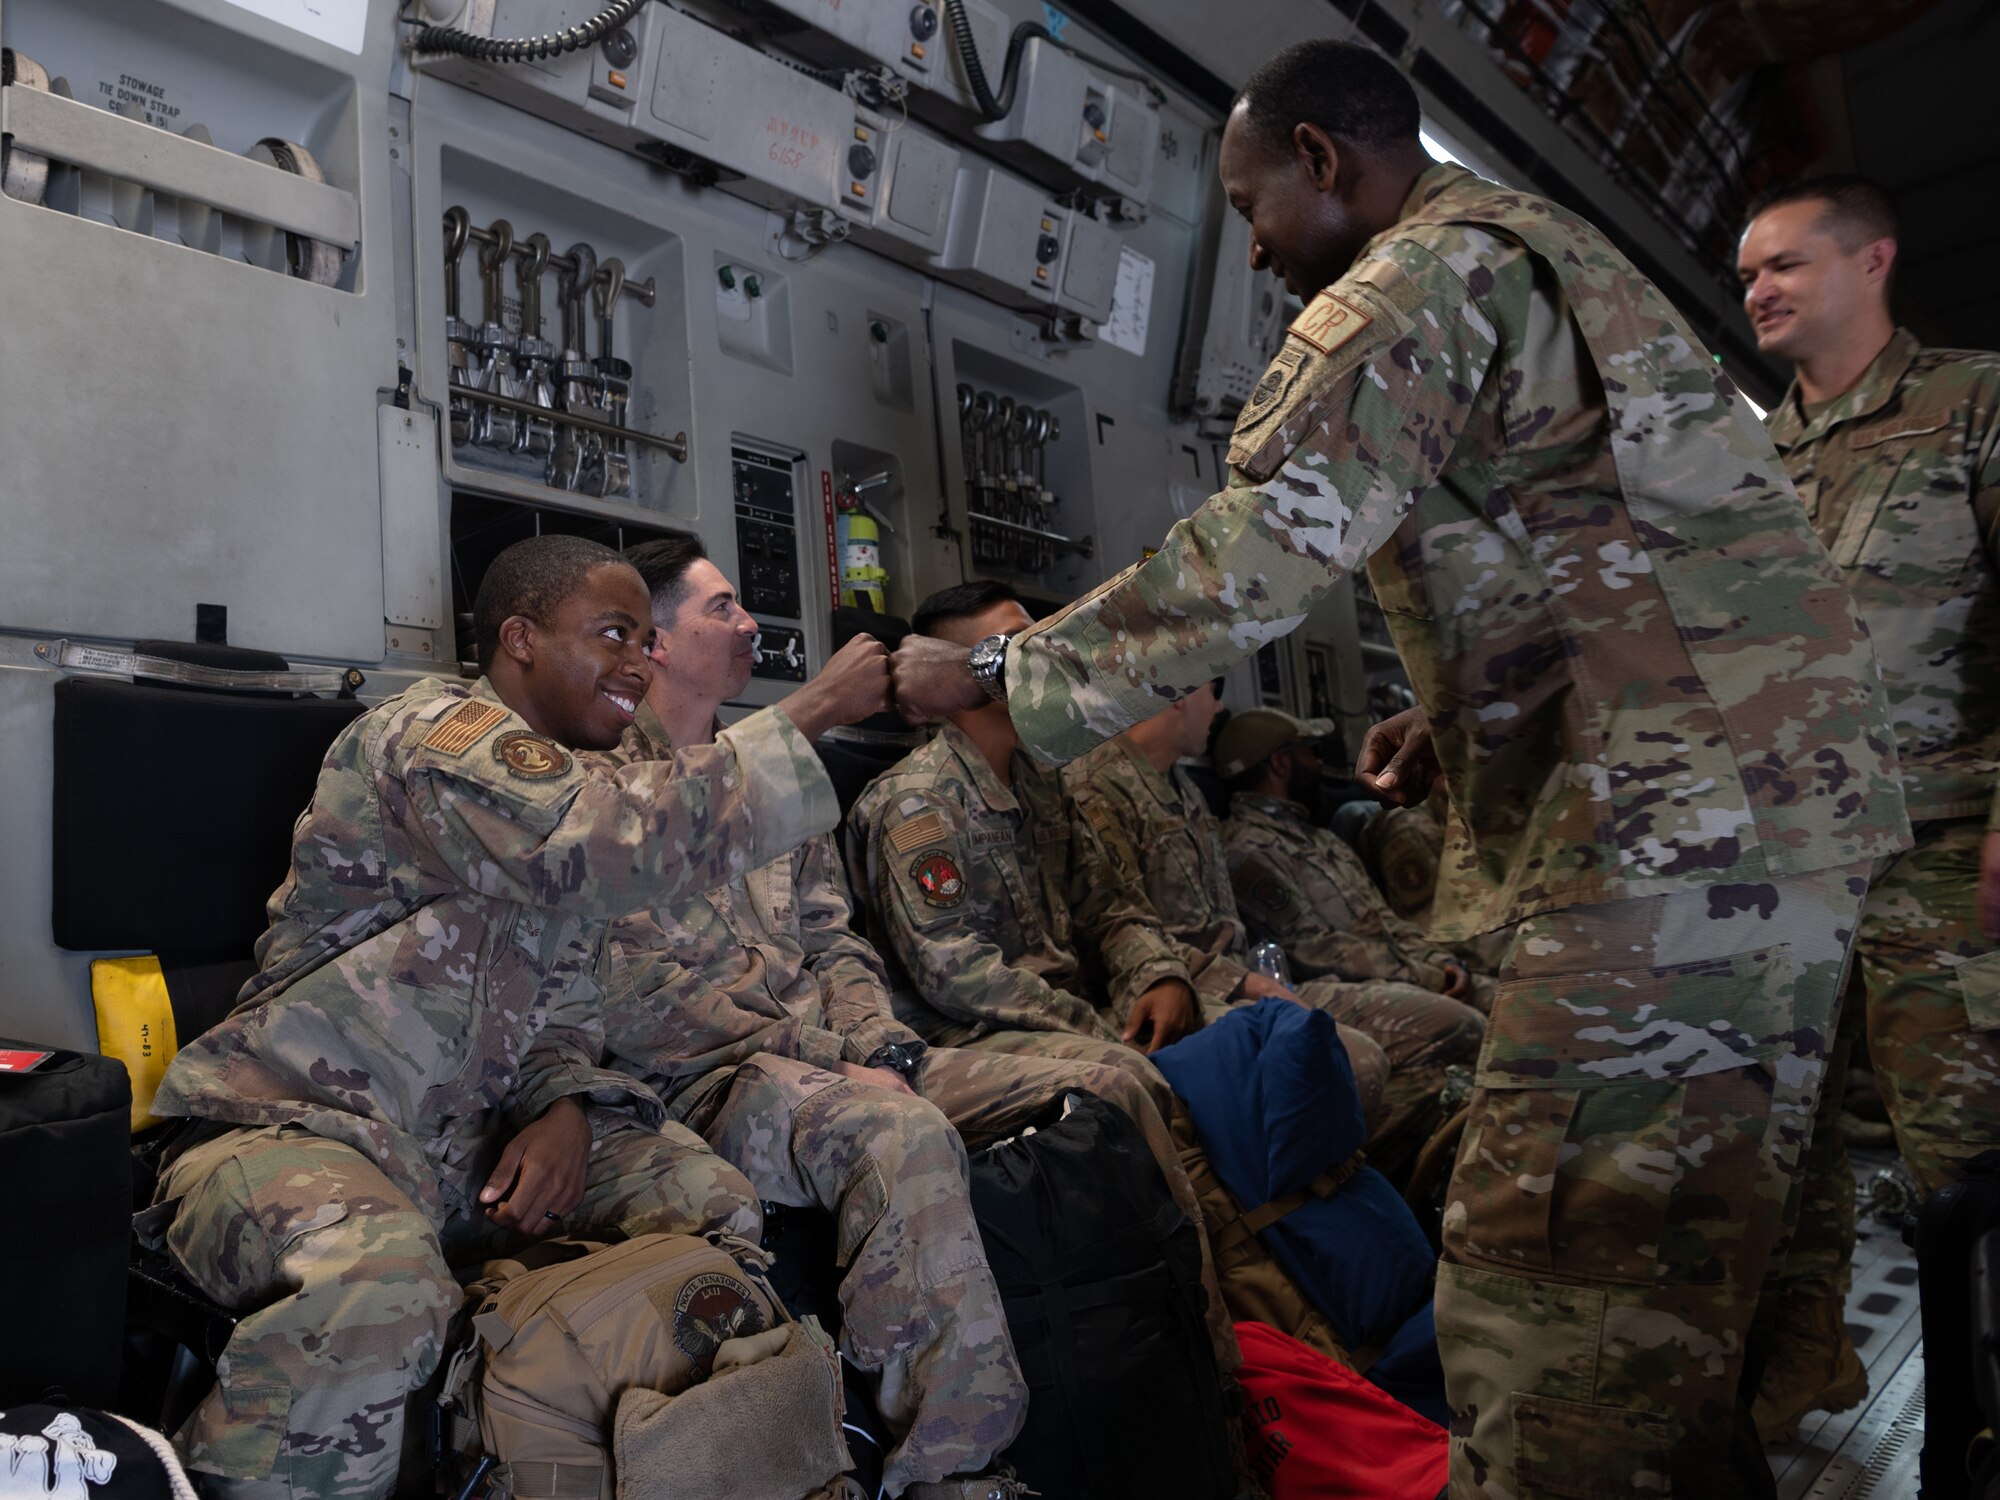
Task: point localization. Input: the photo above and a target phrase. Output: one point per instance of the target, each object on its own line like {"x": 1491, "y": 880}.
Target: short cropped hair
{"x": 663, "y": 564}
{"x": 531, "y": 578}
{"x": 1857, "y": 211}
{"x": 958, "y": 602}
{"x": 1352, "y": 92}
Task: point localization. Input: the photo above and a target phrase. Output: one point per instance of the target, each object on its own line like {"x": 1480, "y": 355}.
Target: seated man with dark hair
{"x": 412, "y": 1078}
{"x": 1159, "y": 841}
{"x": 763, "y": 1021}
{"x": 1302, "y": 886}
{"x": 962, "y": 854}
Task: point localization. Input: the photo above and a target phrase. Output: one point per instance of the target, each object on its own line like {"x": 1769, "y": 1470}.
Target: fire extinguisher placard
{"x": 832, "y": 548}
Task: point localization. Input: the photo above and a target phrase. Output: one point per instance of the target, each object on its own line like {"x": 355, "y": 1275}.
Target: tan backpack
{"x": 575, "y": 1348}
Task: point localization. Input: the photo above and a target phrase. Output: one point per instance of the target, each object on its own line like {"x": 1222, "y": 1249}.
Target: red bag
{"x": 1315, "y": 1430}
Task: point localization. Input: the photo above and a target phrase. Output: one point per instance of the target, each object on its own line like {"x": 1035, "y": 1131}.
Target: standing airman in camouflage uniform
{"x": 412, "y": 1078}
{"x": 1668, "y": 753}
{"x": 1895, "y": 450}
{"x": 1400, "y": 1038}
{"x": 1302, "y": 886}
{"x": 763, "y": 1021}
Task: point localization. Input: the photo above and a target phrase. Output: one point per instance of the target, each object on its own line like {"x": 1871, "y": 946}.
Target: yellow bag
{"x": 135, "y": 1024}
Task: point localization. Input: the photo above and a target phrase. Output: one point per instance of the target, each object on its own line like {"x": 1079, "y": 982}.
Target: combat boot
{"x": 1000, "y": 1486}
{"x": 1813, "y": 1367}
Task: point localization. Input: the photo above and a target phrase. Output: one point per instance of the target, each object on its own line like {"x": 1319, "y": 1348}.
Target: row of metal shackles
{"x": 1006, "y": 469}
{"x": 1005, "y": 442}
{"x": 520, "y": 393}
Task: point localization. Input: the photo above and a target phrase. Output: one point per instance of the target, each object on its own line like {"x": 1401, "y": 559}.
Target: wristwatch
{"x": 989, "y": 665}
{"x": 898, "y": 1057}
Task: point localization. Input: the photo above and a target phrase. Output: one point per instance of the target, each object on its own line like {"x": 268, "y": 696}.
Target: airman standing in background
{"x": 1895, "y": 450}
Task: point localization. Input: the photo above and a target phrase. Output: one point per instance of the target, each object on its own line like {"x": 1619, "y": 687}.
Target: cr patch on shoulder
{"x": 462, "y": 728}
{"x": 1330, "y": 321}
{"x": 531, "y": 757}
{"x": 937, "y": 876}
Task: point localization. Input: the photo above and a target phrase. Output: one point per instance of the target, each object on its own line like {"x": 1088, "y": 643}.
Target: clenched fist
{"x": 853, "y": 685}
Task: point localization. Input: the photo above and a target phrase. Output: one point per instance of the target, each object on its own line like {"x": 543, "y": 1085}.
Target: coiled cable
{"x": 992, "y": 106}
{"x": 497, "y": 49}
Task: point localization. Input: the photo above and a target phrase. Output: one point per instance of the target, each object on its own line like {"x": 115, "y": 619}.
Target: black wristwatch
{"x": 989, "y": 665}
{"x": 898, "y": 1057}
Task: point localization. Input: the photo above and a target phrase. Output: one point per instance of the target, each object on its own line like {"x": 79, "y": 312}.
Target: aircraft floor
{"x": 1869, "y": 1453}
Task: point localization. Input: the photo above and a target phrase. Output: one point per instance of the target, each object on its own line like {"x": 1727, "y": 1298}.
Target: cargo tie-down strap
{"x": 1262, "y": 1217}
{"x": 106, "y": 661}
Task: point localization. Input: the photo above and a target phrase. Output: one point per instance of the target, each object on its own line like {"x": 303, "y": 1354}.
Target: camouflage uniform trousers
{"x": 1628, "y": 1185}
{"x": 1000, "y": 1082}
{"x": 1925, "y": 991}
{"x": 1932, "y": 980}
{"x": 919, "y": 1309}
{"x": 1420, "y": 1033}
{"x": 346, "y": 1291}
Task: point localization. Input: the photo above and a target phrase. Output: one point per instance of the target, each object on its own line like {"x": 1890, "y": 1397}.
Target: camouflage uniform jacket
{"x": 1181, "y": 880}
{"x": 1641, "y": 669}
{"x": 1901, "y": 478}
{"x": 768, "y": 962}
{"x": 974, "y": 888}
{"x": 1304, "y": 889}
{"x": 432, "y": 977}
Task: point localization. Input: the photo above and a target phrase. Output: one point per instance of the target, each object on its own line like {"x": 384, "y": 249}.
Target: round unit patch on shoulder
{"x": 937, "y": 876}
{"x": 712, "y": 1309}
{"x": 1276, "y": 382}
{"x": 530, "y": 756}
{"x": 1269, "y": 893}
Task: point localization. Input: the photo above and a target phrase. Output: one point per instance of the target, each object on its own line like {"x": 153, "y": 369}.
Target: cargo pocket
{"x": 1576, "y": 1451}
{"x": 1600, "y": 1093}
{"x": 878, "y": 1322}
{"x": 1396, "y": 574}
{"x": 1906, "y": 529}
{"x": 239, "y": 1431}
{"x": 1979, "y": 988}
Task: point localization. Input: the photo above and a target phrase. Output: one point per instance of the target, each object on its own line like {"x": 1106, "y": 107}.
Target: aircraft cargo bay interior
{"x": 967, "y": 749}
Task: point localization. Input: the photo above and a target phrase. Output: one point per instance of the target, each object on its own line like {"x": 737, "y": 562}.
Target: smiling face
{"x": 707, "y": 644}
{"x": 1801, "y": 286}
{"x": 1302, "y": 230}
{"x": 580, "y": 672}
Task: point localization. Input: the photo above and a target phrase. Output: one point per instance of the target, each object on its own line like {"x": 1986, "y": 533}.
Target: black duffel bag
{"x": 1100, "y": 1274}
{"x": 66, "y": 1231}
{"x": 1949, "y": 1227}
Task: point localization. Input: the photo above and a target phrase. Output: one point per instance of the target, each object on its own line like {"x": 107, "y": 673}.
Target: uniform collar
{"x": 1790, "y": 425}
{"x": 1433, "y": 184}
{"x": 650, "y": 733}
{"x": 980, "y": 774}
{"x": 1283, "y": 809}
{"x": 1163, "y": 787}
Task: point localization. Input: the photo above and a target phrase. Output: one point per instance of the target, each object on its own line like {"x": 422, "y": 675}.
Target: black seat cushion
{"x": 174, "y": 809}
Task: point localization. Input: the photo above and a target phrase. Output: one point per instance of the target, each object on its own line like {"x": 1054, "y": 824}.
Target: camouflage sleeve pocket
{"x": 1602, "y": 1095}
{"x": 1979, "y": 987}
{"x": 1311, "y": 381}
